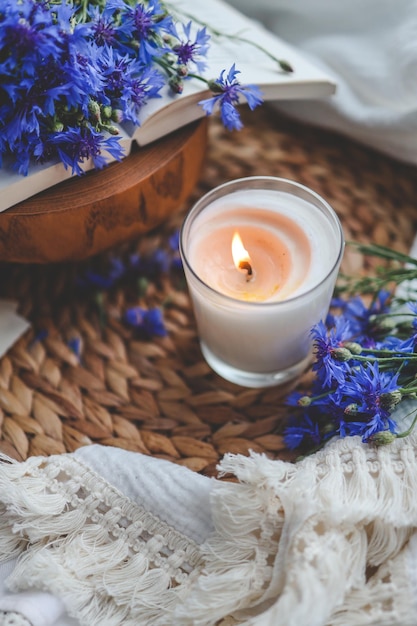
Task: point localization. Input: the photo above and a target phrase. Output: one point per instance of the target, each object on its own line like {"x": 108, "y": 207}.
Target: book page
{"x": 255, "y": 66}
{"x": 161, "y": 116}
{"x": 12, "y": 325}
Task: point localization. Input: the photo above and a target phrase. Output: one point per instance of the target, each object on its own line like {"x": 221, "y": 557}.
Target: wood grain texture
{"x": 83, "y": 216}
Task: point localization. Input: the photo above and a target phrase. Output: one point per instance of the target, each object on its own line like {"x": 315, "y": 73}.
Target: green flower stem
{"x": 383, "y": 252}
{"x": 320, "y": 396}
{"x": 172, "y": 71}
{"x": 388, "y": 276}
{"x": 200, "y": 78}
{"x": 382, "y": 352}
{"x": 407, "y": 432}
{"x": 407, "y": 390}
{"x": 284, "y": 65}
{"x": 102, "y": 315}
{"x": 389, "y": 315}
{"x": 375, "y": 284}
{"x": 388, "y": 359}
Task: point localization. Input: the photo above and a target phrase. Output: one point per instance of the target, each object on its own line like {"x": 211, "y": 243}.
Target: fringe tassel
{"x": 110, "y": 561}
{"x": 335, "y": 513}
{"x": 291, "y": 545}
{"x": 385, "y": 600}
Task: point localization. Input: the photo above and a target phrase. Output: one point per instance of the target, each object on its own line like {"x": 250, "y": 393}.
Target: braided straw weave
{"x": 158, "y": 396}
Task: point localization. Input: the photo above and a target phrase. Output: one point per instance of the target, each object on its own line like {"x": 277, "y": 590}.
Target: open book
{"x": 161, "y": 116}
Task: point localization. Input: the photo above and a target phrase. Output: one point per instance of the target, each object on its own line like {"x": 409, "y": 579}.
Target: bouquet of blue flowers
{"x": 69, "y": 73}
{"x": 365, "y": 359}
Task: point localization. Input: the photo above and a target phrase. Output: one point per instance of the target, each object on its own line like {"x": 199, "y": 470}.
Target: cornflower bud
{"x": 351, "y": 409}
{"x": 390, "y": 400}
{"x": 214, "y": 86}
{"x": 168, "y": 39}
{"x": 112, "y": 130}
{"x": 94, "y": 110}
{"x": 285, "y": 66}
{"x": 354, "y": 347}
{"x": 182, "y": 70}
{"x": 117, "y": 116}
{"x": 58, "y": 127}
{"x": 304, "y": 401}
{"x": 106, "y": 112}
{"x": 383, "y": 438}
{"x": 176, "y": 84}
{"x": 341, "y": 354}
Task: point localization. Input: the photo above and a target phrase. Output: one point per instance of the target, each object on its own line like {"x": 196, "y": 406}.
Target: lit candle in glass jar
{"x": 254, "y": 312}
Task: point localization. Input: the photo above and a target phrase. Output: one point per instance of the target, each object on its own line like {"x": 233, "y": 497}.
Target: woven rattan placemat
{"x": 81, "y": 375}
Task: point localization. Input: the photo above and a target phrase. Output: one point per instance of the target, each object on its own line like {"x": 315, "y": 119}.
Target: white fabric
{"x": 162, "y": 488}
{"x": 171, "y": 492}
{"x": 369, "y": 47}
{"x": 329, "y": 541}
{"x": 39, "y": 609}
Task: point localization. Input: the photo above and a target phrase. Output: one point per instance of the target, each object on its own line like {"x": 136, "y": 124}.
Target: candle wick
{"x": 246, "y": 267}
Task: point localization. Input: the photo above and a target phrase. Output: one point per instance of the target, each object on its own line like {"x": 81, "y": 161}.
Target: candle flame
{"x": 241, "y": 257}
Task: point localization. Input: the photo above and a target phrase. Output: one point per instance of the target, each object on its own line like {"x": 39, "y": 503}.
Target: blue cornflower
{"x": 103, "y": 280}
{"x": 127, "y": 85}
{"x": 293, "y": 398}
{"x": 301, "y": 430}
{"x": 174, "y": 241}
{"x": 103, "y": 28}
{"x": 85, "y": 73}
{"x": 67, "y": 73}
{"x": 367, "y": 386}
{"x": 77, "y": 145}
{"x": 229, "y": 93}
{"x": 74, "y": 343}
{"x": 138, "y": 90}
{"x": 413, "y": 308}
{"x": 330, "y": 371}
{"x": 399, "y": 345}
{"x": 117, "y": 268}
{"x": 40, "y": 335}
{"x": 174, "y": 244}
{"x": 148, "y": 320}
{"x": 93, "y": 279}
{"x": 360, "y": 316}
{"x": 27, "y": 34}
{"x": 191, "y": 52}
{"x": 114, "y": 68}
{"x": 365, "y": 366}
{"x": 148, "y": 23}
{"x": 151, "y": 265}
{"x": 26, "y": 117}
{"x": 73, "y": 34}
{"x": 339, "y": 411}
{"x": 61, "y": 81}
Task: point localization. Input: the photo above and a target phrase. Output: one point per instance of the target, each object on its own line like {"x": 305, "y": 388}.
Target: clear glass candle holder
{"x": 254, "y": 321}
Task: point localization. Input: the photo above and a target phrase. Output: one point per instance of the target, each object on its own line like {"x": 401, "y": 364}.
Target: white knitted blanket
{"x": 107, "y": 537}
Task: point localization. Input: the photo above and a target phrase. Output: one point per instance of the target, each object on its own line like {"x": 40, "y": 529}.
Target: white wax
{"x": 279, "y": 250}
{"x": 262, "y": 325}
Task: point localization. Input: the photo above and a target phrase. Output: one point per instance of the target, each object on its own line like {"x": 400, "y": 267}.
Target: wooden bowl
{"x": 86, "y": 215}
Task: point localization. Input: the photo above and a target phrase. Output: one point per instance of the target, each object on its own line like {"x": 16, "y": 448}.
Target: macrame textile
{"x": 328, "y": 541}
